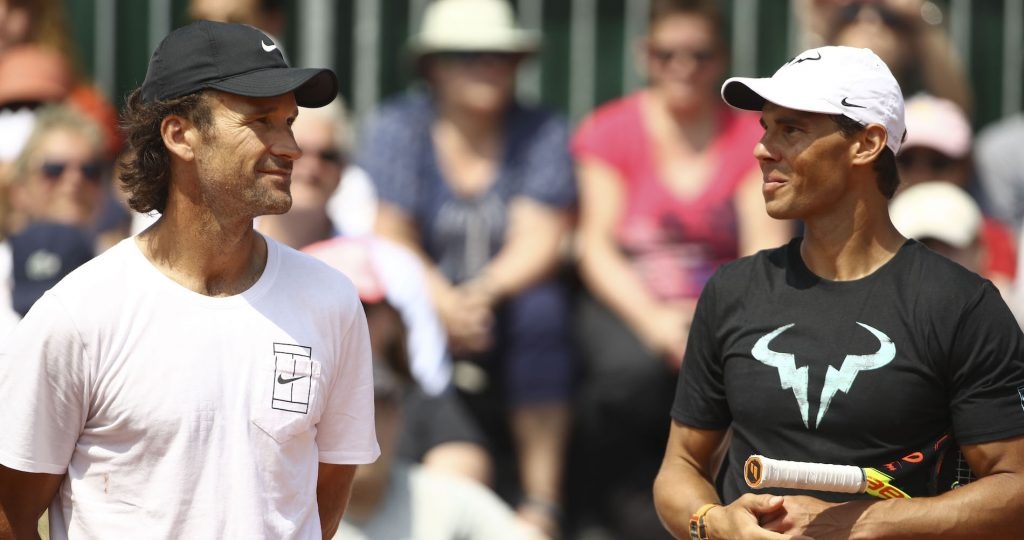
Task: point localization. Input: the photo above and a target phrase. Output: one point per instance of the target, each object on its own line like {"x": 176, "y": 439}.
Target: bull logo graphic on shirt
{"x": 836, "y": 380}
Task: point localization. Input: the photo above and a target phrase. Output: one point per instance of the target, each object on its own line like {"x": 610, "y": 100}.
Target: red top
{"x": 674, "y": 243}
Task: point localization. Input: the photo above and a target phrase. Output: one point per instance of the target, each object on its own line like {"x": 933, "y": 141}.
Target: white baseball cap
{"x": 938, "y": 210}
{"x": 829, "y": 80}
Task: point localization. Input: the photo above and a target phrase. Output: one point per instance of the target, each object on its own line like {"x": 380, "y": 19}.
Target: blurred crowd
{"x": 528, "y": 283}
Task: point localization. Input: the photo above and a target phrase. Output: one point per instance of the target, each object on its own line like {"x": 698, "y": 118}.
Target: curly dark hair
{"x": 884, "y": 166}
{"x": 145, "y": 164}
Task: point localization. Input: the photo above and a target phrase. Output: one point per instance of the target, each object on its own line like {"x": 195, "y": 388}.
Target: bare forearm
{"x": 679, "y": 490}
{"x": 991, "y": 508}
{"x": 533, "y": 248}
{"x": 333, "y": 489}
{"x": 23, "y": 499}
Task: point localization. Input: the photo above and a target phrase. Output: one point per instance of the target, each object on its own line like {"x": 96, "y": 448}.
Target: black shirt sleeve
{"x": 700, "y": 399}
{"x": 987, "y": 371}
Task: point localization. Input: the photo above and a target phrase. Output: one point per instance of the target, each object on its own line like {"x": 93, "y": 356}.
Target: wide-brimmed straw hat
{"x": 472, "y": 25}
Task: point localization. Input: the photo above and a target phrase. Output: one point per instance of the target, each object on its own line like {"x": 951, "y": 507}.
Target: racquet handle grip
{"x": 761, "y": 472}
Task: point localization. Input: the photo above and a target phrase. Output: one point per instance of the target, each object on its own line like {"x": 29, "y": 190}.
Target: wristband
{"x": 698, "y": 525}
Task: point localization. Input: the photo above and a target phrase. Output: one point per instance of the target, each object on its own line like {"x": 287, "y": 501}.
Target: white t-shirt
{"x": 178, "y": 415}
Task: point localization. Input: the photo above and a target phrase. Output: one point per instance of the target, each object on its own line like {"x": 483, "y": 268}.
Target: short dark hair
{"x": 145, "y": 165}
{"x": 885, "y": 165}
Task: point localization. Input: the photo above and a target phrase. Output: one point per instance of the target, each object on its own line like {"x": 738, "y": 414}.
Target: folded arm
{"x": 991, "y": 507}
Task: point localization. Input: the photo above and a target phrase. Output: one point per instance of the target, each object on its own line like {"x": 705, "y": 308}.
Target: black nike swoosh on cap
{"x": 845, "y": 103}
{"x": 806, "y": 58}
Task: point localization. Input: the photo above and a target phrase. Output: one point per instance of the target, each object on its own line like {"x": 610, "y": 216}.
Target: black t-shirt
{"x": 857, "y": 372}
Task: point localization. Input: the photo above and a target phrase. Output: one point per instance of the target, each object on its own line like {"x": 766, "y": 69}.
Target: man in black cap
{"x": 196, "y": 380}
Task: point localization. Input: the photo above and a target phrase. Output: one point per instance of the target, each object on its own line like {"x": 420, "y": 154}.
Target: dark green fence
{"x": 115, "y": 38}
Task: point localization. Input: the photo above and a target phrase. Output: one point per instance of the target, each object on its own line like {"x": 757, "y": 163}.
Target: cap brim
{"x": 751, "y": 94}
{"x": 313, "y": 87}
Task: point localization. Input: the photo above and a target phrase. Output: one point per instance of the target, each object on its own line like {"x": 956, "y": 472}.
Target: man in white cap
{"x": 850, "y": 345}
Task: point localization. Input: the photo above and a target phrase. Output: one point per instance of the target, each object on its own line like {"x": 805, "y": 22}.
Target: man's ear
{"x": 869, "y": 144}
{"x": 180, "y": 136}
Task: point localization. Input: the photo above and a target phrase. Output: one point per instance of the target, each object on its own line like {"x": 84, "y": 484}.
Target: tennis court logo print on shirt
{"x": 293, "y": 378}
{"x": 836, "y": 380}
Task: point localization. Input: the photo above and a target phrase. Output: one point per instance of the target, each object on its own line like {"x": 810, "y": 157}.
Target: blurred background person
{"x": 42, "y": 23}
{"x": 39, "y": 66}
{"x": 57, "y": 188}
{"x": 60, "y": 174}
{"x": 267, "y": 15}
{"x": 938, "y": 147}
{"x": 1000, "y": 164}
{"x": 481, "y": 187}
{"x": 440, "y": 433}
{"x": 30, "y": 76}
{"x": 394, "y": 498}
{"x": 943, "y": 217}
{"x": 908, "y": 35}
{"x": 669, "y": 190}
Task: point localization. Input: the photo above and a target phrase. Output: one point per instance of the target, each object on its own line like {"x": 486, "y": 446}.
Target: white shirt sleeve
{"x": 346, "y": 433}
{"x": 44, "y": 381}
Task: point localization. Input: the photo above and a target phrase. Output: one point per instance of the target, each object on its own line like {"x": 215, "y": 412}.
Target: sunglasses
{"x": 54, "y": 170}
{"x": 329, "y": 155}
{"x": 666, "y": 56}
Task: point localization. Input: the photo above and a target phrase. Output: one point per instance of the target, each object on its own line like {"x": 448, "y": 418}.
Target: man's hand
{"x": 744, "y": 517}
{"x": 813, "y": 517}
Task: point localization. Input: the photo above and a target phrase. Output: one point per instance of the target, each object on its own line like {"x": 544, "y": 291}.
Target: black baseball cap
{"x": 235, "y": 58}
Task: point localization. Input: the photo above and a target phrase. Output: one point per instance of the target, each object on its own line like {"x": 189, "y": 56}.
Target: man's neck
{"x": 297, "y": 228}
{"x": 852, "y": 245}
{"x": 209, "y": 257}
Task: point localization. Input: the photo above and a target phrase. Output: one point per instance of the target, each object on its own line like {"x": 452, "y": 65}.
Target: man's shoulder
{"x": 113, "y": 267}
{"x": 929, "y": 270}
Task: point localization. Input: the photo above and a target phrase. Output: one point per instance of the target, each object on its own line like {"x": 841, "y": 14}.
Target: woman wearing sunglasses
{"x": 59, "y": 175}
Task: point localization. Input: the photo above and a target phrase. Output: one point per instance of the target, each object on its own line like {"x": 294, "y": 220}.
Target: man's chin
{"x": 278, "y": 206}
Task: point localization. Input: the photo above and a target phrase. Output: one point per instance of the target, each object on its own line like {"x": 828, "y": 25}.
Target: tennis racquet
{"x": 949, "y": 471}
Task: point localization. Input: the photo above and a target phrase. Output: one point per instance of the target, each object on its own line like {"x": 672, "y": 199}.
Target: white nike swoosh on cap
{"x": 266, "y": 47}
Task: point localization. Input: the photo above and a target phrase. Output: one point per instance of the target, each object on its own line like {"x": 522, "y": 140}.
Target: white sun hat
{"x": 472, "y": 25}
{"x": 829, "y": 80}
{"x": 937, "y": 210}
